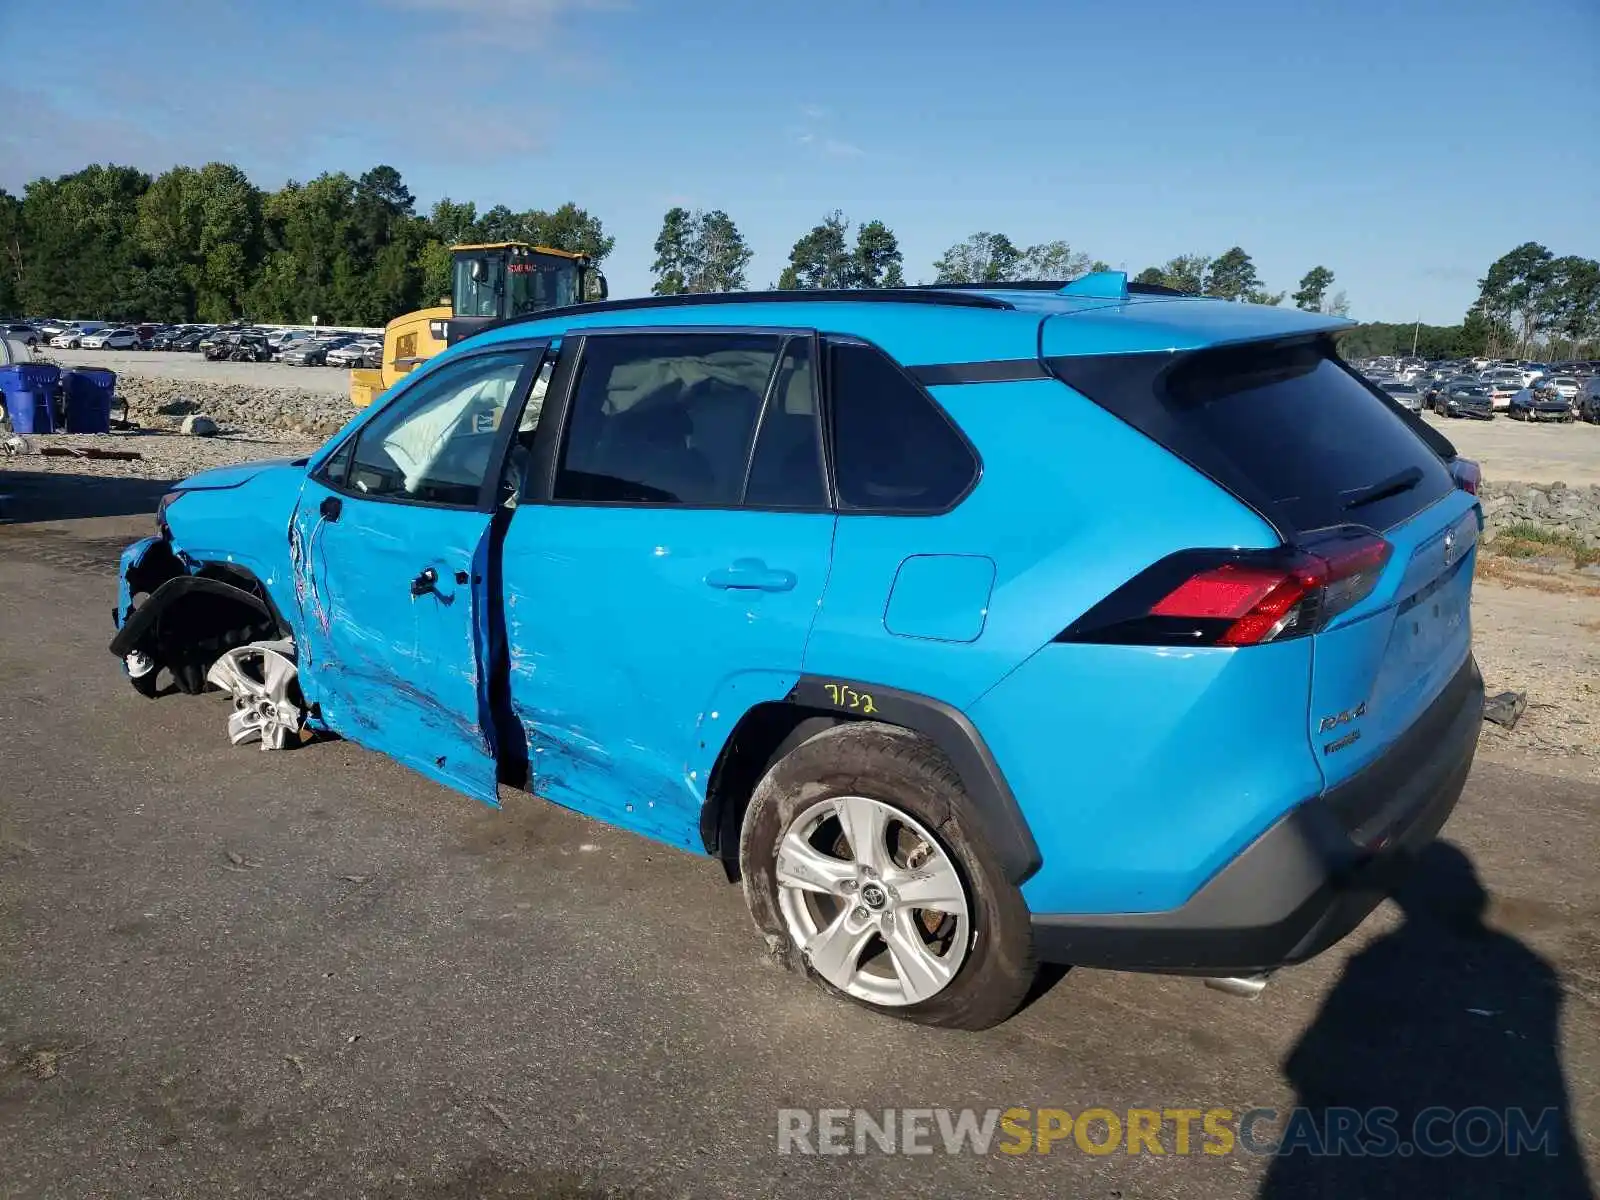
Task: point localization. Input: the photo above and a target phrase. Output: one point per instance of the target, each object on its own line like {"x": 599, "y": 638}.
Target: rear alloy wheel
{"x": 863, "y": 865}
{"x": 873, "y": 901}
{"x": 264, "y": 682}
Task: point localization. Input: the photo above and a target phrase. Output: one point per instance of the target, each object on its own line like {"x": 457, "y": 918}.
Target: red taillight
{"x": 1292, "y": 595}
{"x": 1467, "y": 474}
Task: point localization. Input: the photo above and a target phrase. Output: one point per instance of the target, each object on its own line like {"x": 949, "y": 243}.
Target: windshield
{"x": 479, "y": 282}
{"x": 538, "y": 282}
{"x": 528, "y": 283}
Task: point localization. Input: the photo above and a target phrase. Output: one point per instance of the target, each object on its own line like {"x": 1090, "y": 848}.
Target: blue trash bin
{"x": 28, "y": 389}
{"x": 89, "y": 392}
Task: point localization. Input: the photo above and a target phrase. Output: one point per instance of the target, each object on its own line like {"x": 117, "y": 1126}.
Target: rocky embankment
{"x": 1572, "y": 511}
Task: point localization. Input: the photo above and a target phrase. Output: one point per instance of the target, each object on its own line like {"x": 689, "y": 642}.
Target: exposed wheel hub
{"x": 264, "y": 682}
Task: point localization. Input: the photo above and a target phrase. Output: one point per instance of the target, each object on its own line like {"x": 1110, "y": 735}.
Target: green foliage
{"x": 1313, "y": 291}
{"x": 1232, "y": 276}
{"x": 995, "y": 258}
{"x": 699, "y": 252}
{"x": 824, "y": 257}
{"x": 877, "y": 257}
{"x": 1524, "y": 539}
{"x": 1186, "y": 273}
{"x": 821, "y": 258}
{"x": 1528, "y": 293}
{"x": 672, "y": 266}
{"x": 11, "y": 261}
{"x": 205, "y": 243}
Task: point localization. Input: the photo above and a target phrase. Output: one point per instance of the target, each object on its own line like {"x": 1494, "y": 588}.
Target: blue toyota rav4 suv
{"x": 970, "y": 628}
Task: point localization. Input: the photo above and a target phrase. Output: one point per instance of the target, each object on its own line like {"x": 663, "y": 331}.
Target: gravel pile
{"x": 276, "y": 412}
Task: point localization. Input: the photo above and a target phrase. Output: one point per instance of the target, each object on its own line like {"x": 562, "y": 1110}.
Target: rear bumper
{"x": 1308, "y": 880}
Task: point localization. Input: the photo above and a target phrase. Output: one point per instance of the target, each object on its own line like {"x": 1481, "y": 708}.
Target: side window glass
{"x": 435, "y": 444}
{"x": 337, "y": 469}
{"x": 786, "y": 470}
{"x": 893, "y": 448}
{"x": 664, "y": 418}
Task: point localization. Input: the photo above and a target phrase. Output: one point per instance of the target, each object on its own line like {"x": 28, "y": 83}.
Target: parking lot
{"x": 316, "y": 973}
{"x": 1527, "y": 451}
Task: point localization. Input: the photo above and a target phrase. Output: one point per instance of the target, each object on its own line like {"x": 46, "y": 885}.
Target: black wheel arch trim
{"x": 146, "y": 615}
{"x": 993, "y": 805}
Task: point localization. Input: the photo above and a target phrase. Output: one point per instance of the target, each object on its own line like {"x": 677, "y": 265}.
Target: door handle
{"x": 424, "y": 582}
{"x": 751, "y": 574}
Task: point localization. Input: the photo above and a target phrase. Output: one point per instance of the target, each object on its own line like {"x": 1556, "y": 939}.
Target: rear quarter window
{"x": 1286, "y": 427}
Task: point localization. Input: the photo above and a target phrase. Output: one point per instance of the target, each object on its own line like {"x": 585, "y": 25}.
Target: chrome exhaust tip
{"x": 1246, "y": 987}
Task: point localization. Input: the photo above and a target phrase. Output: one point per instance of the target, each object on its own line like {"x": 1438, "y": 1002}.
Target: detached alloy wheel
{"x": 866, "y": 869}
{"x": 264, "y": 682}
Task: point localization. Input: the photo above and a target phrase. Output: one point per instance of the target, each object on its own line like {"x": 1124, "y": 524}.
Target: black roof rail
{"x": 955, "y": 299}
{"x": 1052, "y": 285}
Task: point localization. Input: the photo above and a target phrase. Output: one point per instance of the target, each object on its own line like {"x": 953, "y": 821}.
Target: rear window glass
{"x": 1283, "y": 425}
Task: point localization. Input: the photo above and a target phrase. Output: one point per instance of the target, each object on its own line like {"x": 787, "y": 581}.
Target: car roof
{"x": 1095, "y": 315}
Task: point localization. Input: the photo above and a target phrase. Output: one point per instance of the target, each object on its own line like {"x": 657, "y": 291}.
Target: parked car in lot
{"x": 72, "y": 340}
{"x": 313, "y": 353}
{"x": 22, "y": 331}
{"x": 1540, "y": 402}
{"x": 1588, "y": 400}
{"x": 1500, "y": 392}
{"x": 352, "y": 353}
{"x": 924, "y": 658}
{"x": 1408, "y": 395}
{"x": 168, "y": 339}
{"x": 237, "y": 346}
{"x": 110, "y": 339}
{"x": 284, "y": 339}
{"x": 1565, "y": 385}
{"x": 1465, "y": 398}
{"x": 193, "y": 339}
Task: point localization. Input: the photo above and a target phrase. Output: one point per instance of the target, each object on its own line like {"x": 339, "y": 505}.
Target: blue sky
{"x": 1403, "y": 143}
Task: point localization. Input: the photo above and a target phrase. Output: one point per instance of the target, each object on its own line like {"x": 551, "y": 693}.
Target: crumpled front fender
{"x": 144, "y": 567}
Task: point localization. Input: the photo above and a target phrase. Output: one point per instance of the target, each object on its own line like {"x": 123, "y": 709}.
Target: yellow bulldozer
{"x": 487, "y": 283}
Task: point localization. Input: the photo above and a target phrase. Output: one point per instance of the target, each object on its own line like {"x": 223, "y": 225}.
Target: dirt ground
{"x": 1541, "y": 636}
{"x": 1530, "y": 453}
{"x": 162, "y": 364}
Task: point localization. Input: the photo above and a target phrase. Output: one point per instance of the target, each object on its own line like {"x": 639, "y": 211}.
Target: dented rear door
{"x": 390, "y": 548}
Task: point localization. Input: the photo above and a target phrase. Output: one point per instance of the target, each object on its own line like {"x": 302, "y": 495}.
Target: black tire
{"x": 903, "y": 770}
{"x": 148, "y": 684}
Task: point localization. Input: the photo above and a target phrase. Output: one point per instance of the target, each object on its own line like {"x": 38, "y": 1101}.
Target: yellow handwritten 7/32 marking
{"x": 847, "y": 697}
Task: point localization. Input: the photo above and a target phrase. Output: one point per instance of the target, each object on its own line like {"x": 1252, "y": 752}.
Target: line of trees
{"x": 207, "y": 244}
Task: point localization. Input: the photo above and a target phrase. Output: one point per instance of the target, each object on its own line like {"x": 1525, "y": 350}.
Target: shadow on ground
{"x": 28, "y": 496}
{"x": 1437, "y": 1048}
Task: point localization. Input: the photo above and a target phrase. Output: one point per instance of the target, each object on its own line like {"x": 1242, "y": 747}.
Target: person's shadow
{"x": 1442, "y": 1014}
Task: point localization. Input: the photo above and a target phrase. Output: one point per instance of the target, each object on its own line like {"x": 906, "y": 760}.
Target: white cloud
{"x": 812, "y": 133}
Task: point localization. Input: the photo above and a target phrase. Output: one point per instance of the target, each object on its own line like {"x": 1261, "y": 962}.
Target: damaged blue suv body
{"x": 969, "y": 628}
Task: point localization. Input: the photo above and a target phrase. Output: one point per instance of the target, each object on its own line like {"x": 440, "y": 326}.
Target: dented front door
{"x": 391, "y": 618}
{"x": 390, "y": 546}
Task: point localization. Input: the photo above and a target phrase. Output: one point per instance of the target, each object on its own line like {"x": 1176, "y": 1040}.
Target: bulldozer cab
{"x": 488, "y": 283}
{"x": 510, "y": 279}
